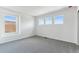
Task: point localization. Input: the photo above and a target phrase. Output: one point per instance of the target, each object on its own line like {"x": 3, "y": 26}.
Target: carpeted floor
{"x": 38, "y": 44}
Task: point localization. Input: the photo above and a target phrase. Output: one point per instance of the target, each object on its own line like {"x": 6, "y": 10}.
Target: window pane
{"x": 10, "y": 18}
{"x": 10, "y": 24}
{"x": 41, "y": 20}
{"x": 48, "y": 20}
{"x": 58, "y": 19}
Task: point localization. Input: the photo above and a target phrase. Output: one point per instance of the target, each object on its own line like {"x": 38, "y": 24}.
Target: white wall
{"x": 26, "y": 25}
{"x": 65, "y": 32}
{"x": 78, "y": 28}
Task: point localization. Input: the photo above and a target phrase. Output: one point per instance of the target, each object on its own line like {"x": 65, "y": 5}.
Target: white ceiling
{"x": 34, "y": 10}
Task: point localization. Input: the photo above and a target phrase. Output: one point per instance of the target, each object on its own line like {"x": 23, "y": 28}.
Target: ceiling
{"x": 34, "y": 10}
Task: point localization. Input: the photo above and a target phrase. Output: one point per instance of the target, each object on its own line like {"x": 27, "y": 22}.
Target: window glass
{"x": 48, "y": 20}
{"x": 41, "y": 21}
{"x": 10, "y": 24}
{"x": 58, "y": 19}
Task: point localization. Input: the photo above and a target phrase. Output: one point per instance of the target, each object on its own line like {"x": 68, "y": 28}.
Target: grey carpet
{"x": 38, "y": 45}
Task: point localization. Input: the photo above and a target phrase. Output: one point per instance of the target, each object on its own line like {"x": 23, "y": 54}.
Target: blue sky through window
{"x": 59, "y": 19}
{"x": 10, "y": 18}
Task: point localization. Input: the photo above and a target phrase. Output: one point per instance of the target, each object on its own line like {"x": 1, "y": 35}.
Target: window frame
{"x": 17, "y": 24}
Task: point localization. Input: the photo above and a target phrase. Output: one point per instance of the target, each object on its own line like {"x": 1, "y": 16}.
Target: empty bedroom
{"x": 39, "y": 29}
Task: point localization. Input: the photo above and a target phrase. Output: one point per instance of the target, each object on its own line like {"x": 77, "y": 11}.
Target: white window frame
{"x": 17, "y": 24}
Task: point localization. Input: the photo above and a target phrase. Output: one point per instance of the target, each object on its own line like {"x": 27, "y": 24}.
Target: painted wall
{"x": 78, "y": 28}
{"x": 65, "y": 32}
{"x": 25, "y": 23}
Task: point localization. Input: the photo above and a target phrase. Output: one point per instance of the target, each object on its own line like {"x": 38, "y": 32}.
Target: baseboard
{"x": 7, "y": 41}
{"x": 55, "y": 39}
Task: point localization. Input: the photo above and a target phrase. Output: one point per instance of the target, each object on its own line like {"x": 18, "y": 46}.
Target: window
{"x": 41, "y": 21}
{"x": 58, "y": 19}
{"x": 10, "y": 24}
{"x": 48, "y": 20}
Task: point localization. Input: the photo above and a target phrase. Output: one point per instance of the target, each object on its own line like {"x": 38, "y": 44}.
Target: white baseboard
{"x": 13, "y": 38}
